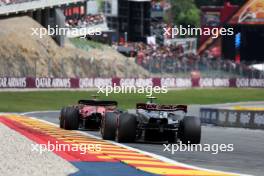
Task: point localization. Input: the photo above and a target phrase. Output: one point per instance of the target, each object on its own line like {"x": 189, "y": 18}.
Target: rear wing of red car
{"x": 155, "y": 107}
{"x": 98, "y": 102}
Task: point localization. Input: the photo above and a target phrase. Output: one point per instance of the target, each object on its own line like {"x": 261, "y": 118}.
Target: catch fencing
{"x": 233, "y": 118}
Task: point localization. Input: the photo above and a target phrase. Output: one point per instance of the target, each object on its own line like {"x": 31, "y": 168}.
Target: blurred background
{"x": 132, "y": 44}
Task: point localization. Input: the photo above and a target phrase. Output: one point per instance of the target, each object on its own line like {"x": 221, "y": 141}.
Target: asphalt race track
{"x": 247, "y": 157}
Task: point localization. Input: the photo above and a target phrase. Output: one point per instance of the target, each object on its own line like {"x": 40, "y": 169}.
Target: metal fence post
{"x": 49, "y": 67}
{"x": 62, "y": 67}
{"x": 35, "y": 68}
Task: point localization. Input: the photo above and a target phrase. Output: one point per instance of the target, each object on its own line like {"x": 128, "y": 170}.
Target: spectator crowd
{"x": 9, "y": 2}
{"x": 160, "y": 5}
{"x": 174, "y": 59}
{"x": 85, "y": 21}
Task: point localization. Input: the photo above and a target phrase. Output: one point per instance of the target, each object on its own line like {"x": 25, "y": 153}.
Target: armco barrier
{"x": 44, "y": 82}
{"x": 209, "y": 116}
{"x": 233, "y": 118}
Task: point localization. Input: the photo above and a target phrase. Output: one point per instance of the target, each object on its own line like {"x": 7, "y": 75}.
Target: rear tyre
{"x": 127, "y": 126}
{"x": 61, "y": 118}
{"x": 71, "y": 119}
{"x": 108, "y": 126}
{"x": 190, "y": 130}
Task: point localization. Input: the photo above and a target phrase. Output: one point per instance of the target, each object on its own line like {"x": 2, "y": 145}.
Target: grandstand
{"x": 60, "y": 13}
{"x": 11, "y": 2}
{"x": 17, "y": 6}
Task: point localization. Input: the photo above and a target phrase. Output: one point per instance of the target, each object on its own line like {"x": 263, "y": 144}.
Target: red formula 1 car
{"x": 87, "y": 114}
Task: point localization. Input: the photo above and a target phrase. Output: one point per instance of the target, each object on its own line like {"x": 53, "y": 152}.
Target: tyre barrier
{"x": 233, "y": 118}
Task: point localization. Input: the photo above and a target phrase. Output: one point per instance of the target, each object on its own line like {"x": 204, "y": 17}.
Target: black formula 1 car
{"x": 87, "y": 114}
{"x": 152, "y": 122}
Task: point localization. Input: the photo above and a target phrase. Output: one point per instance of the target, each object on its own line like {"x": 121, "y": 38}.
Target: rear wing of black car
{"x": 155, "y": 107}
{"x": 98, "y": 102}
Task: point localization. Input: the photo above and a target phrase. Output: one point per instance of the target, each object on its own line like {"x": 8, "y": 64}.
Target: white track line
{"x": 34, "y": 112}
{"x": 159, "y": 157}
